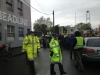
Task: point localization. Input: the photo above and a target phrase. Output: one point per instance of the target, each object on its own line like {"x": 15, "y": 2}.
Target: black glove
{"x": 51, "y": 53}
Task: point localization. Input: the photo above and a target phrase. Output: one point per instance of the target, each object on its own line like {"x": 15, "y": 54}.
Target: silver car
{"x": 91, "y": 51}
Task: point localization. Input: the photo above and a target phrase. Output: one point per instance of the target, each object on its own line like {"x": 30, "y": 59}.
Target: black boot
{"x": 52, "y": 72}
{"x": 61, "y": 69}
{"x": 31, "y": 64}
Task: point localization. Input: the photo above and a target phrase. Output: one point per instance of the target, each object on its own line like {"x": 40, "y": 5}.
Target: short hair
{"x": 77, "y": 33}
{"x": 31, "y": 32}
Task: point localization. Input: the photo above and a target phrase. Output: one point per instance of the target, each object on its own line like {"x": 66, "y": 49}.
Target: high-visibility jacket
{"x": 24, "y": 46}
{"x": 31, "y": 43}
{"x": 65, "y": 36}
{"x": 79, "y": 44}
{"x": 38, "y": 42}
{"x": 55, "y": 51}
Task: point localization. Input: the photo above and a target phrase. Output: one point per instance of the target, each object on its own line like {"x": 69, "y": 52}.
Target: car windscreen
{"x": 93, "y": 43}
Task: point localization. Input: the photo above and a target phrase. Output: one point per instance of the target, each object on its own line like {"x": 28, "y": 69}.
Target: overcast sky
{"x": 65, "y": 11}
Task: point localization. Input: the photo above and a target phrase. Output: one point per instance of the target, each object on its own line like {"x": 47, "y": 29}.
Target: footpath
{"x": 17, "y": 51}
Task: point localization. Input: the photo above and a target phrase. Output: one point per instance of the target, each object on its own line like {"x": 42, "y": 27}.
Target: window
{"x": 20, "y": 6}
{"x": 10, "y": 31}
{"x": 9, "y": 1}
{"x": 93, "y": 42}
{"x": 21, "y": 32}
{"x": 9, "y": 5}
{"x": 0, "y": 32}
{"x": 28, "y": 30}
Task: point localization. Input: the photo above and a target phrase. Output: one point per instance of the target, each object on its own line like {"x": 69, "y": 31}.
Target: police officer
{"x": 32, "y": 43}
{"x": 78, "y": 47}
{"x": 55, "y": 55}
{"x": 38, "y": 40}
{"x": 24, "y": 47}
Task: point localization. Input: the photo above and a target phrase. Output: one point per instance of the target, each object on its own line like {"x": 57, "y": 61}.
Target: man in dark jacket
{"x": 61, "y": 38}
{"x": 44, "y": 42}
{"x": 71, "y": 41}
{"x": 78, "y": 47}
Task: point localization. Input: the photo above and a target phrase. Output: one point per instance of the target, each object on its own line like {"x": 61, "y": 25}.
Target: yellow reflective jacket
{"x": 24, "y": 46}
{"x": 38, "y": 42}
{"x": 79, "y": 43}
{"x": 55, "y": 51}
{"x": 32, "y": 44}
{"x": 65, "y": 36}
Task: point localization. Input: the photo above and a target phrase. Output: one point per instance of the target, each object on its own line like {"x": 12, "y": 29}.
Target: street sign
{"x": 5, "y": 26}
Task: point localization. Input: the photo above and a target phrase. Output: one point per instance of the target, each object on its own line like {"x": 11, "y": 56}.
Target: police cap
{"x": 31, "y": 32}
{"x": 55, "y": 35}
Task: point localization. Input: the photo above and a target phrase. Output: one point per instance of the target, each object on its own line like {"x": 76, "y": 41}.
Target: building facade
{"x": 15, "y": 21}
{"x": 68, "y": 28}
{"x": 61, "y": 30}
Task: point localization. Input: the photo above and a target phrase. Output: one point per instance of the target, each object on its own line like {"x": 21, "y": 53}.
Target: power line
{"x": 36, "y": 9}
{"x": 39, "y": 5}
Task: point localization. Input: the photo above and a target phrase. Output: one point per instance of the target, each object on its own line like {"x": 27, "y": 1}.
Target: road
{"x": 18, "y": 66}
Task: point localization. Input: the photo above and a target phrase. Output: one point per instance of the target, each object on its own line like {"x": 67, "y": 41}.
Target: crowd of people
{"x": 56, "y": 43}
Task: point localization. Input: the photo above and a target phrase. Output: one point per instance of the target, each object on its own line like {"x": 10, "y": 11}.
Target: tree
{"x": 43, "y": 29}
{"x": 36, "y": 27}
{"x": 45, "y": 21}
{"x": 86, "y": 26}
{"x": 56, "y": 29}
{"x": 42, "y": 24}
{"x": 40, "y": 28}
{"x": 64, "y": 29}
{"x": 83, "y": 26}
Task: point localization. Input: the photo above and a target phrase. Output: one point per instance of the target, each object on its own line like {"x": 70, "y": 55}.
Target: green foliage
{"x": 41, "y": 25}
{"x": 64, "y": 29}
{"x": 40, "y": 28}
{"x": 83, "y": 26}
{"x": 57, "y": 29}
{"x": 37, "y": 27}
{"x": 38, "y": 33}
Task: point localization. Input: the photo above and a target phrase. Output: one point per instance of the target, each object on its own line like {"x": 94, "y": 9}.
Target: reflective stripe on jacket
{"x": 79, "y": 42}
{"x": 55, "y": 51}
{"x": 31, "y": 43}
{"x": 38, "y": 42}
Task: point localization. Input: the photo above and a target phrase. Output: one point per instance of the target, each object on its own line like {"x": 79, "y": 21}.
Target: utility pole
{"x": 53, "y": 22}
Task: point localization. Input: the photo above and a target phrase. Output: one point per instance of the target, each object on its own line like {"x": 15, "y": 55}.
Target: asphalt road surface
{"x": 18, "y": 65}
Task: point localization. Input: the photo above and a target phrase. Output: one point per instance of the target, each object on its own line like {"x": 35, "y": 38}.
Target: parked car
{"x": 91, "y": 51}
